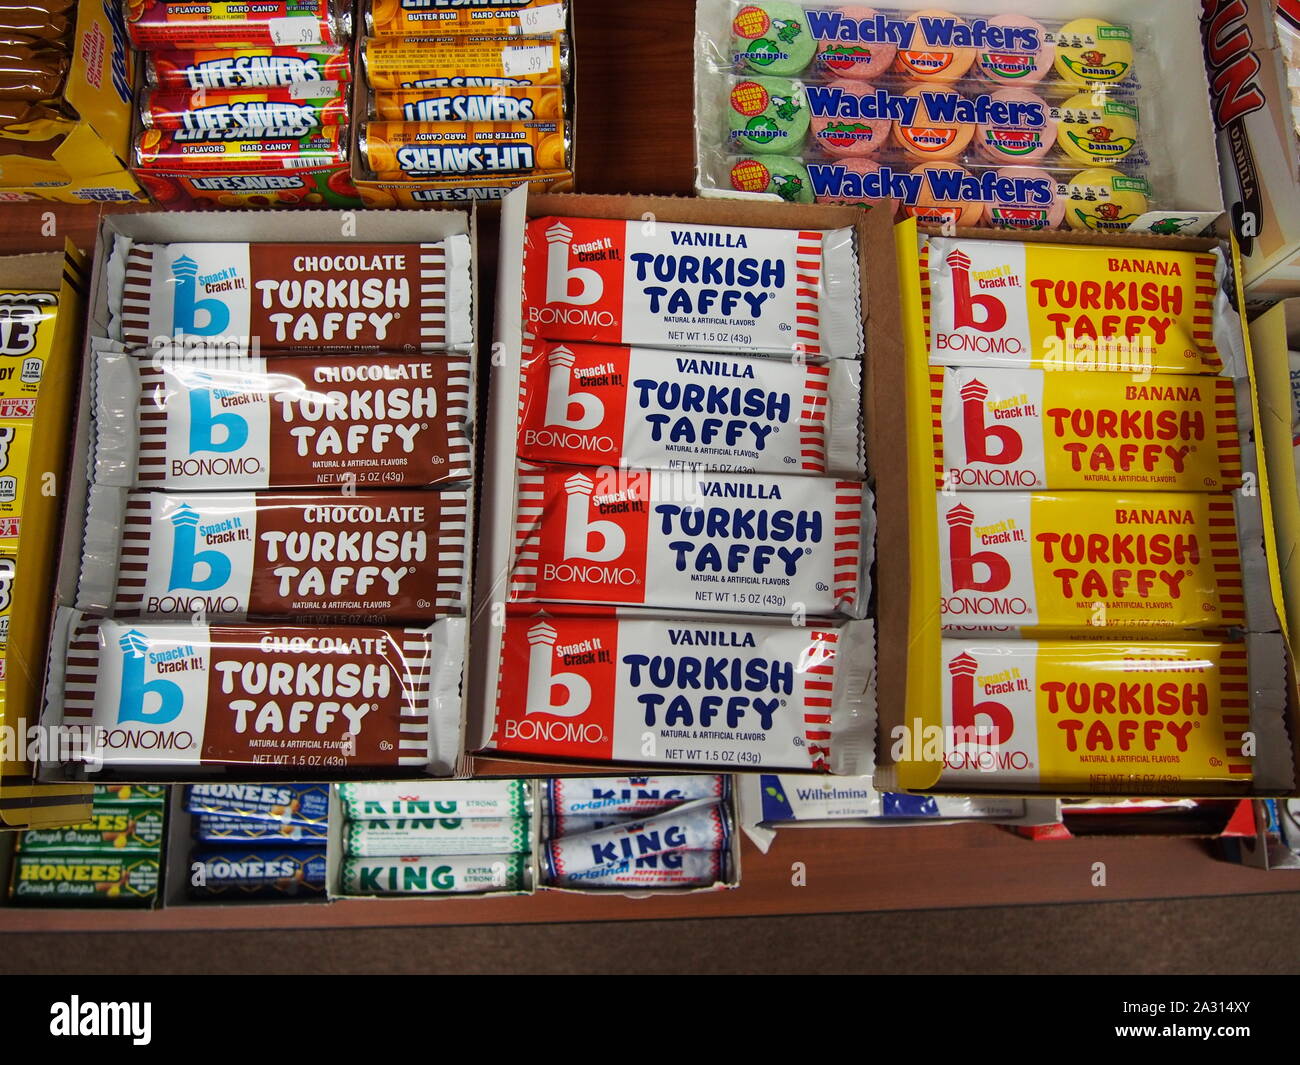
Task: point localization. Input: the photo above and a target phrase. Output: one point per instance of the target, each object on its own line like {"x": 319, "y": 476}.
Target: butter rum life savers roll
{"x": 421, "y": 62}
{"x": 417, "y": 149}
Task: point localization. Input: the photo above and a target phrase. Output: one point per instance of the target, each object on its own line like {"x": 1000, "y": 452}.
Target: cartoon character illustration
{"x": 1101, "y": 134}
{"x": 787, "y": 186}
{"x": 1170, "y": 226}
{"x": 1093, "y": 57}
{"x": 787, "y": 29}
{"x": 786, "y": 108}
{"x": 1107, "y": 212}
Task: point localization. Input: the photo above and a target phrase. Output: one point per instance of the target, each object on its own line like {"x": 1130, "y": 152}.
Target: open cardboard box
{"x": 88, "y": 166}
{"x": 341, "y": 227}
{"x": 23, "y": 803}
{"x": 453, "y": 189}
{"x": 921, "y": 698}
{"x": 1175, "y": 127}
{"x": 883, "y": 408}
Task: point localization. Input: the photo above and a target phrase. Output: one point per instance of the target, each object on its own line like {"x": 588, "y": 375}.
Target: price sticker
{"x": 294, "y": 30}
{"x": 523, "y": 60}
{"x": 546, "y": 19}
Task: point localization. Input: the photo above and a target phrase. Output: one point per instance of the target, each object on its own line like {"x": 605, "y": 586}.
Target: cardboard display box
{"x": 922, "y": 698}
{"x": 342, "y": 227}
{"x": 88, "y": 164}
{"x": 883, "y": 412}
{"x": 1258, "y": 148}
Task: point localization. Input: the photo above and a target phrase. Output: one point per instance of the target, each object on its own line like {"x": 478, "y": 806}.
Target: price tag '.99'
{"x": 294, "y": 30}
{"x": 523, "y": 60}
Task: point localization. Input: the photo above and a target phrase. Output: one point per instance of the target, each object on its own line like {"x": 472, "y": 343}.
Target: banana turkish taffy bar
{"x": 1117, "y": 717}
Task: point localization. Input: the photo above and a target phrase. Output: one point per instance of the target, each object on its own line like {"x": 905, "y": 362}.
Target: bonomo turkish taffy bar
{"x": 371, "y": 555}
{"x": 1016, "y": 429}
{"x": 680, "y": 539}
{"x": 1086, "y": 560}
{"x": 596, "y": 404}
{"x": 326, "y": 698}
{"x": 292, "y": 421}
{"x": 1116, "y": 717}
{"x": 435, "y": 798}
{"x": 1077, "y": 307}
{"x": 693, "y": 287}
{"x": 343, "y": 297}
{"x": 707, "y": 693}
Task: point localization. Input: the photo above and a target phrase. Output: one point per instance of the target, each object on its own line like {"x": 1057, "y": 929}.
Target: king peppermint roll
{"x": 436, "y": 798}
{"x": 363, "y": 421}
{"x": 323, "y": 297}
{"x": 600, "y": 405}
{"x": 319, "y": 699}
{"x": 770, "y": 545}
{"x": 1088, "y": 560}
{"x": 709, "y": 693}
{"x": 1017, "y": 429}
{"x": 696, "y": 826}
{"x": 693, "y": 287}
{"x": 1077, "y": 307}
{"x": 449, "y": 875}
{"x": 368, "y": 556}
{"x": 1124, "y": 718}
{"x": 373, "y": 838}
{"x": 664, "y": 869}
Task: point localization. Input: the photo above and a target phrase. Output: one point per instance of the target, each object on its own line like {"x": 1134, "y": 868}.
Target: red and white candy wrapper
{"x": 713, "y": 692}
{"x": 601, "y": 405}
{"x": 667, "y": 869}
{"x": 372, "y": 556}
{"x": 628, "y": 796}
{"x": 309, "y": 297}
{"x": 693, "y": 287}
{"x": 320, "y": 699}
{"x": 293, "y": 421}
{"x": 696, "y": 541}
{"x": 696, "y": 826}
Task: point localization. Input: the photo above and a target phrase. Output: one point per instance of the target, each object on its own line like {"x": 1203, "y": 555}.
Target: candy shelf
{"x": 845, "y": 870}
{"x": 635, "y": 121}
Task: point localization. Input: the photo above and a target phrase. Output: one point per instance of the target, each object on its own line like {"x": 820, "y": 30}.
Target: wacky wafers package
{"x": 340, "y": 297}
{"x": 323, "y": 698}
{"x": 166, "y": 421}
{"x": 375, "y": 556}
